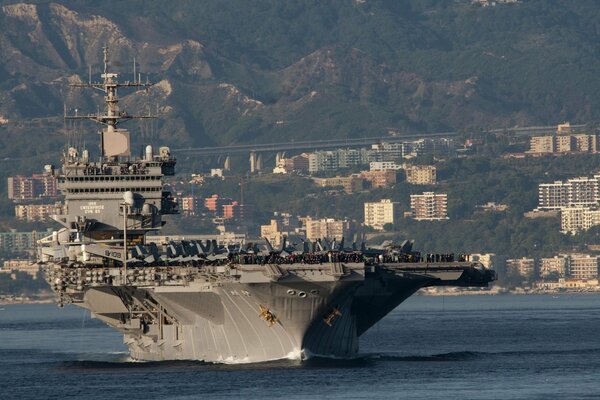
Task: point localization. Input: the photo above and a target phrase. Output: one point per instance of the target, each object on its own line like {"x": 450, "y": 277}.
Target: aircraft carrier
{"x": 202, "y": 300}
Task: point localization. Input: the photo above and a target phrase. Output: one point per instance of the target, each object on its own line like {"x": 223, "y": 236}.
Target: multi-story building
{"x": 585, "y": 143}
{"x": 429, "y": 206}
{"x": 564, "y": 144}
{"x": 384, "y": 166}
{"x": 555, "y": 267}
{"x": 297, "y": 163}
{"x": 526, "y": 267}
{"x": 379, "y": 179}
{"x": 19, "y": 242}
{"x": 577, "y": 219}
{"x": 576, "y": 192}
{"x": 552, "y": 196}
{"x": 582, "y": 191}
{"x": 282, "y": 224}
{"x": 215, "y": 203}
{"x": 583, "y": 266}
{"x": 327, "y": 228}
{"x": 237, "y": 211}
{"x": 382, "y": 152}
{"x": 37, "y": 212}
{"x": 541, "y": 144}
{"x": 32, "y": 187}
{"x": 380, "y": 213}
{"x": 26, "y": 266}
{"x": 189, "y": 205}
{"x": 333, "y": 160}
{"x": 421, "y": 174}
{"x": 350, "y": 184}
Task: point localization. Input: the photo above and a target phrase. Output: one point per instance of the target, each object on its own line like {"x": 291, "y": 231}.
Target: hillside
{"x": 271, "y": 70}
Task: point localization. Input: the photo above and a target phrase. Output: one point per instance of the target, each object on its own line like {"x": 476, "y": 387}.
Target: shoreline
{"x": 501, "y": 292}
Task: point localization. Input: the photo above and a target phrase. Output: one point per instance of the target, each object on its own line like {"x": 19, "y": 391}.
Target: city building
{"x": 215, "y": 203}
{"x": 388, "y": 152}
{"x": 541, "y": 145}
{"x": 189, "y": 205}
{"x": 421, "y": 174}
{"x": 575, "y": 192}
{"x": 20, "y": 242}
{"x": 282, "y": 224}
{"x": 564, "y": 144}
{"x": 332, "y": 160}
{"x": 429, "y": 206}
{"x": 26, "y": 266}
{"x": 379, "y": 179}
{"x": 299, "y": 163}
{"x": 583, "y": 266}
{"x": 380, "y": 213}
{"x": 32, "y": 187}
{"x": 350, "y": 184}
{"x": 237, "y": 211}
{"x": 37, "y": 212}
{"x": 555, "y": 267}
{"x": 384, "y": 166}
{"x": 327, "y": 228}
{"x": 526, "y": 267}
{"x": 577, "y": 219}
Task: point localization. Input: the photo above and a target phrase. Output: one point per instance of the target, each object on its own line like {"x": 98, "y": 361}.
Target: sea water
{"x": 460, "y": 347}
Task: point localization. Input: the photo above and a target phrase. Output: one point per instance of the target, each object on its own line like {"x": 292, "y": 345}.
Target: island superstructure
{"x": 196, "y": 300}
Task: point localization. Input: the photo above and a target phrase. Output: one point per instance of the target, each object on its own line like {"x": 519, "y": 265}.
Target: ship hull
{"x": 222, "y": 323}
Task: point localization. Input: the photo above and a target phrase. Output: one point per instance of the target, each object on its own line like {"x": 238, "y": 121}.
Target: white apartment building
{"x": 327, "y": 228}
{"x": 576, "y": 192}
{"x": 429, "y": 206}
{"x": 577, "y": 219}
{"x": 384, "y": 166}
{"x": 380, "y": 213}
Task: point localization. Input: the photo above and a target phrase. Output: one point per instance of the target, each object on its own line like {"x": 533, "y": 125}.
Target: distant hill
{"x": 239, "y": 71}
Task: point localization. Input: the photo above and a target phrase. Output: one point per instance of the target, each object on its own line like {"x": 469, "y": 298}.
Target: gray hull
{"x": 225, "y": 322}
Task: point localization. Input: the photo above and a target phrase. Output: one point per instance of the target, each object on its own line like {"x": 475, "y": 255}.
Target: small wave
{"x": 473, "y": 355}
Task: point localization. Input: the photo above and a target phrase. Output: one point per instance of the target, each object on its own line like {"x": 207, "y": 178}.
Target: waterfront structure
{"x": 554, "y": 267}
{"x": 378, "y": 214}
{"x": 526, "y": 267}
{"x": 421, "y": 174}
{"x": 583, "y": 266}
{"x": 429, "y": 206}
